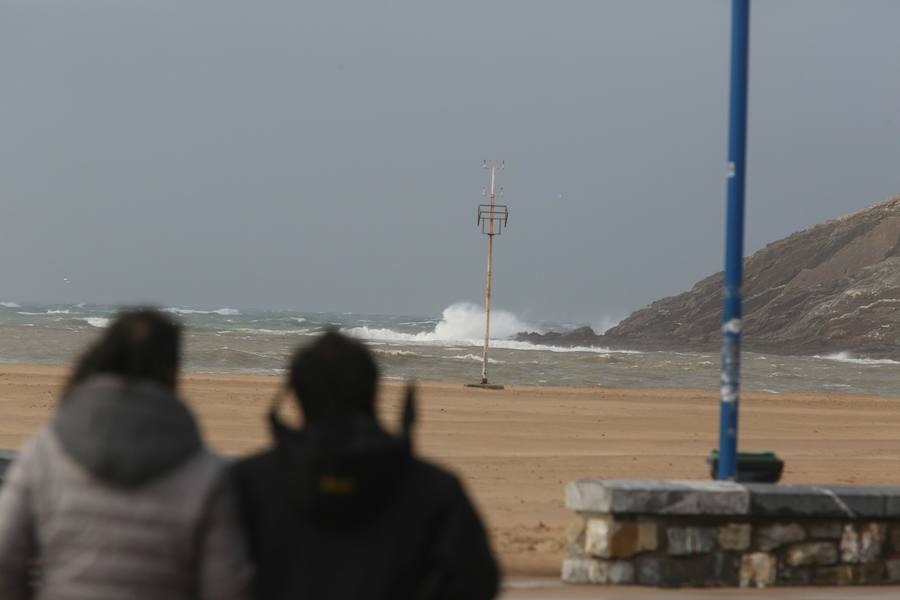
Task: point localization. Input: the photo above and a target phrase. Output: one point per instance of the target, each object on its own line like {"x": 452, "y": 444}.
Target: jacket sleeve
{"x": 17, "y": 538}
{"x": 224, "y": 569}
{"x": 465, "y": 565}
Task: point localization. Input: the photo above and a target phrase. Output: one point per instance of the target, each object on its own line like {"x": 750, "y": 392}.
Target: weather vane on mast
{"x": 492, "y": 218}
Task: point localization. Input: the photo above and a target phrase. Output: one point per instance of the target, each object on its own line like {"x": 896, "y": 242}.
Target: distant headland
{"x": 834, "y": 287}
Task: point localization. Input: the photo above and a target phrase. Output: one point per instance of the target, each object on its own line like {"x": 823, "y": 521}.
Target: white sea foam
{"x": 462, "y": 324}
{"x": 10, "y": 305}
{"x": 845, "y": 357}
{"x": 398, "y": 352}
{"x": 225, "y": 312}
{"x": 604, "y": 324}
{"x": 514, "y": 345}
{"x": 476, "y": 358}
{"x": 269, "y": 331}
{"x": 58, "y": 312}
{"x": 299, "y": 319}
{"x": 97, "y": 321}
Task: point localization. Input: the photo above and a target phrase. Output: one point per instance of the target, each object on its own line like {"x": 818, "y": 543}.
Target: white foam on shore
{"x": 477, "y": 358}
{"x": 268, "y": 331}
{"x": 399, "y": 353}
{"x": 845, "y": 357}
{"x": 10, "y": 305}
{"x": 98, "y": 321}
{"x": 462, "y": 324}
{"x": 224, "y": 312}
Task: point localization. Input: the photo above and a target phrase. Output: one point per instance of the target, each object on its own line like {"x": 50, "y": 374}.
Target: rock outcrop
{"x": 834, "y": 287}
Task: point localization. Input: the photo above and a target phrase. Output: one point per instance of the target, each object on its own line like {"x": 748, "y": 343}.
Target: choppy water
{"x": 443, "y": 348}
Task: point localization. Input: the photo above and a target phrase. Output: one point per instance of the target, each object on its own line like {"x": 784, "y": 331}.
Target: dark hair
{"x": 335, "y": 375}
{"x": 139, "y": 344}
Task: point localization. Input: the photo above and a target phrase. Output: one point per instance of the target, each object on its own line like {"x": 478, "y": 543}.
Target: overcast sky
{"x": 326, "y": 156}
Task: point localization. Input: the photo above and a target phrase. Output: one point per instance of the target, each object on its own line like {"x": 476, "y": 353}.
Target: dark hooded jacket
{"x": 117, "y": 498}
{"x": 342, "y": 510}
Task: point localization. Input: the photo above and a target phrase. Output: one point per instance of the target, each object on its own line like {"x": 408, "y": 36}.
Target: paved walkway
{"x": 549, "y": 589}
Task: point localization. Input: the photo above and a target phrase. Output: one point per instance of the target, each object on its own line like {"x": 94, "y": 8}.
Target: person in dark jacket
{"x": 117, "y": 497}
{"x": 341, "y": 509}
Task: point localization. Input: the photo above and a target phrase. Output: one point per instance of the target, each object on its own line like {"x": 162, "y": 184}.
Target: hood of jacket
{"x": 340, "y": 468}
{"x": 126, "y": 432}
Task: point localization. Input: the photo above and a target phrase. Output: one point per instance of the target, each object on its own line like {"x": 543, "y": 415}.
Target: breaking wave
{"x": 460, "y": 322}
{"x": 10, "y": 305}
{"x": 98, "y": 321}
{"x": 399, "y": 353}
{"x": 224, "y": 312}
{"x": 477, "y": 358}
{"x": 268, "y": 331}
{"x": 845, "y": 357}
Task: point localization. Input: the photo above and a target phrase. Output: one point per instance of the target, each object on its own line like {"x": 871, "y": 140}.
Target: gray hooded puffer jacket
{"x": 118, "y": 499}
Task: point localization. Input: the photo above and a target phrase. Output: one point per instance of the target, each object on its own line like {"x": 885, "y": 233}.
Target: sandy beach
{"x": 516, "y": 448}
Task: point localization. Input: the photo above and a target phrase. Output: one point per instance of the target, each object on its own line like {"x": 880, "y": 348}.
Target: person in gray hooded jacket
{"x": 117, "y": 497}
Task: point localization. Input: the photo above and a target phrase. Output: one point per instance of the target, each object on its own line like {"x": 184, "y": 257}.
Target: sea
{"x": 445, "y": 347}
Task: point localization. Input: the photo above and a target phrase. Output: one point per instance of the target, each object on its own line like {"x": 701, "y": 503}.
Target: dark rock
{"x": 718, "y": 569}
{"x": 811, "y": 553}
{"x": 892, "y": 570}
{"x": 869, "y": 574}
{"x": 583, "y": 336}
{"x": 836, "y": 575}
{"x": 650, "y": 571}
{"x": 893, "y": 539}
{"x": 683, "y": 541}
{"x": 769, "y": 537}
{"x": 794, "y": 576}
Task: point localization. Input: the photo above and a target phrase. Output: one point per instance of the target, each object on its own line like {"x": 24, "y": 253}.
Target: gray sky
{"x": 326, "y": 155}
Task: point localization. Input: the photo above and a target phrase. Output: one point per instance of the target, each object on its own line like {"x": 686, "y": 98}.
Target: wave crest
{"x": 224, "y": 312}
{"x": 10, "y": 305}
{"x": 460, "y": 322}
{"x": 845, "y": 357}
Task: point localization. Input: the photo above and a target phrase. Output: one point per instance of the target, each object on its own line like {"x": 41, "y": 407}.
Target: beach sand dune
{"x": 516, "y": 448}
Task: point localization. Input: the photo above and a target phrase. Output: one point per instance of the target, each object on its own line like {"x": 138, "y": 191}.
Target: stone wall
{"x": 682, "y": 533}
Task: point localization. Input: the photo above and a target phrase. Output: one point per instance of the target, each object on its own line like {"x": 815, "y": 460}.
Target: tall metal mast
{"x": 492, "y": 217}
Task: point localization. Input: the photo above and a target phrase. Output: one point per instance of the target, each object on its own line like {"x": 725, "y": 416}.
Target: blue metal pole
{"x": 734, "y": 241}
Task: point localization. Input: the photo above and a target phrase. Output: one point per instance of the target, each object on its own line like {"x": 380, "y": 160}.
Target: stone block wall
{"x": 705, "y": 534}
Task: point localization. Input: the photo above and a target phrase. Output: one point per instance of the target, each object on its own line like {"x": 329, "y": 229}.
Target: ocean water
{"x": 442, "y": 347}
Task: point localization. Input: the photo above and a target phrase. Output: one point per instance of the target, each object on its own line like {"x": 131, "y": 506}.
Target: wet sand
{"x": 516, "y": 448}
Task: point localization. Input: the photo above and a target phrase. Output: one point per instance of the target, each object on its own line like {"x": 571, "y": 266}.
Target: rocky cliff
{"x": 833, "y": 287}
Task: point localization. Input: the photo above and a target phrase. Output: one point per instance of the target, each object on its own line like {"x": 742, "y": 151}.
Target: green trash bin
{"x": 752, "y": 467}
